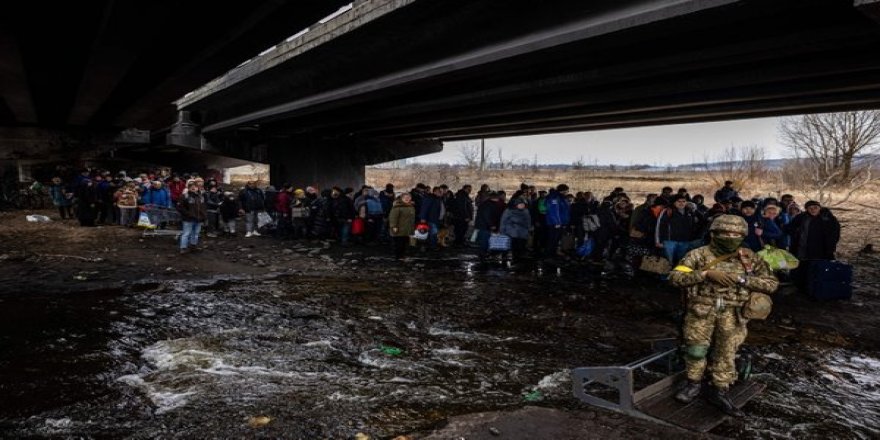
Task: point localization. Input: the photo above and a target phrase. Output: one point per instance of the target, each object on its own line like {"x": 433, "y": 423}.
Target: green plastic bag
{"x": 533, "y": 396}
{"x": 778, "y": 259}
{"x": 390, "y": 351}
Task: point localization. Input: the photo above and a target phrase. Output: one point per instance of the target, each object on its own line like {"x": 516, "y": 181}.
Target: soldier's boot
{"x": 689, "y": 392}
{"x": 721, "y": 399}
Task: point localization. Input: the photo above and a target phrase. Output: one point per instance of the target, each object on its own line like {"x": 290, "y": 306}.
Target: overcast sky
{"x": 670, "y": 144}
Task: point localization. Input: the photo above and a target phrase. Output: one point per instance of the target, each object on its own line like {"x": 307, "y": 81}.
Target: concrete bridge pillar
{"x": 325, "y": 163}
{"x": 184, "y": 132}
{"x": 311, "y": 162}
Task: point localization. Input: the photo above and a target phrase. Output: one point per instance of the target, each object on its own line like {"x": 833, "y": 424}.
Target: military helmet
{"x": 730, "y": 223}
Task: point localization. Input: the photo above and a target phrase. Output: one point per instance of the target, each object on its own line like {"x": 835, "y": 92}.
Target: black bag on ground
{"x": 829, "y": 279}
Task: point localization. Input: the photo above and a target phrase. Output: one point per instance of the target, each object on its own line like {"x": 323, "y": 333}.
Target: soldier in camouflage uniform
{"x": 717, "y": 279}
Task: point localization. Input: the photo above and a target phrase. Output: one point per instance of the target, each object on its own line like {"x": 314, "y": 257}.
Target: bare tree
{"x": 470, "y": 156}
{"x": 831, "y": 143}
{"x": 744, "y": 166}
{"x": 828, "y": 189}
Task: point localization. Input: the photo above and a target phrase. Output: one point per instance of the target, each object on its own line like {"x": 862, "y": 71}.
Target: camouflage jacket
{"x": 688, "y": 275}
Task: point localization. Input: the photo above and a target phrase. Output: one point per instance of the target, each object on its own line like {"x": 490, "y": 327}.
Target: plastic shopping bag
{"x": 263, "y": 219}
{"x": 778, "y": 259}
{"x": 144, "y": 221}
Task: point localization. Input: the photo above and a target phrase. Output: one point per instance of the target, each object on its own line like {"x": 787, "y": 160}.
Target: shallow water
{"x": 311, "y": 353}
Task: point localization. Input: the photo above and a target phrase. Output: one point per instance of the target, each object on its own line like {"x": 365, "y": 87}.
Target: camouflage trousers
{"x": 724, "y": 330}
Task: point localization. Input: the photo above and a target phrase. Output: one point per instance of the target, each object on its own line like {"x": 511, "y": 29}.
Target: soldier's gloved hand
{"x": 723, "y": 278}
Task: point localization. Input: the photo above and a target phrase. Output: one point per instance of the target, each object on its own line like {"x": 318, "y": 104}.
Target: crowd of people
{"x": 612, "y": 229}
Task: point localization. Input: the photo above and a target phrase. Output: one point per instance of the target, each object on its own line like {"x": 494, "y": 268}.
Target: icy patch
{"x": 59, "y": 424}
{"x": 451, "y": 351}
{"x": 551, "y": 382}
{"x": 401, "y": 380}
{"x": 177, "y": 353}
{"x": 369, "y": 360}
{"x": 340, "y": 397}
{"x": 322, "y": 343}
{"x": 436, "y": 331}
{"x": 164, "y": 399}
{"x": 376, "y": 359}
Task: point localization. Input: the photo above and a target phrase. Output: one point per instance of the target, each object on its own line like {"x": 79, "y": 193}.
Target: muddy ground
{"x": 83, "y": 312}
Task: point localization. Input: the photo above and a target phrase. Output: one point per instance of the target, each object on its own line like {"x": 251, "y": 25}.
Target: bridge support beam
{"x": 871, "y": 8}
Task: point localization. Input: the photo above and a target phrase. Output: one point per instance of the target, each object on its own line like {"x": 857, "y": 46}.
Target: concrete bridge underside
{"x": 395, "y": 78}
{"x": 408, "y": 70}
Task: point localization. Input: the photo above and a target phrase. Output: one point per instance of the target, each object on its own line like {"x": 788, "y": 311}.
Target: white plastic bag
{"x": 263, "y": 219}
{"x": 37, "y": 218}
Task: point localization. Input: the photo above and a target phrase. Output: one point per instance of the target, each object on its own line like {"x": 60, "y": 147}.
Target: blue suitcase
{"x": 828, "y": 280}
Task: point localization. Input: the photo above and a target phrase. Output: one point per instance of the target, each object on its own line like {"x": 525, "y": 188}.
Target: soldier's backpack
{"x": 655, "y": 264}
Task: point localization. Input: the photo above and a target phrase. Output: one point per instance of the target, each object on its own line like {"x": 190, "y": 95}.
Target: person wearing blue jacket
{"x": 771, "y": 215}
{"x": 62, "y": 198}
{"x": 761, "y": 230}
{"x": 557, "y": 217}
{"x": 157, "y": 195}
{"x": 432, "y": 212}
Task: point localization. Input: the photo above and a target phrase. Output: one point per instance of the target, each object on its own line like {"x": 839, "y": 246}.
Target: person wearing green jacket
{"x": 401, "y": 223}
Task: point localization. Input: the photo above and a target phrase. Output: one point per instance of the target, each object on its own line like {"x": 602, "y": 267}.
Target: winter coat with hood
{"x": 462, "y": 206}
{"x": 252, "y": 199}
{"x": 58, "y": 193}
{"x": 489, "y": 214}
{"x": 814, "y": 238}
{"x": 433, "y": 209}
{"x": 516, "y": 223}
{"x": 192, "y": 207}
{"x": 557, "y": 209}
{"x": 127, "y": 198}
{"x": 770, "y": 232}
{"x": 676, "y": 225}
{"x": 403, "y": 217}
{"x": 341, "y": 208}
{"x": 157, "y": 196}
{"x": 282, "y": 203}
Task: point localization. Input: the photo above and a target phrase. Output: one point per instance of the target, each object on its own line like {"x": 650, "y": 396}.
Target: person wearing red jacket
{"x": 175, "y": 186}
{"x": 282, "y": 208}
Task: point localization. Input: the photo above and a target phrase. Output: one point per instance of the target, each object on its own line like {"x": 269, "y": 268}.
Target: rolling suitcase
{"x": 829, "y": 279}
